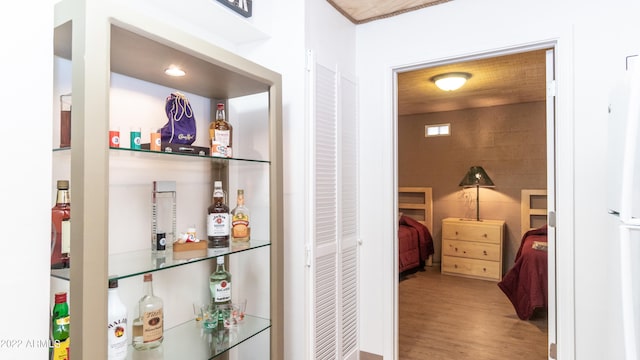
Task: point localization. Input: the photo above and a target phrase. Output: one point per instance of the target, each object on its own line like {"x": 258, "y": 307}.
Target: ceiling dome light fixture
{"x": 174, "y": 71}
{"x": 451, "y": 81}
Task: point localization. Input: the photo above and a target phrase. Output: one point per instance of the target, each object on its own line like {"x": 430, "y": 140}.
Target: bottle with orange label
{"x": 240, "y": 225}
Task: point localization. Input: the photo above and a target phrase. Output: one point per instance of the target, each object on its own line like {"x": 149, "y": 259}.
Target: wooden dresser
{"x": 472, "y": 248}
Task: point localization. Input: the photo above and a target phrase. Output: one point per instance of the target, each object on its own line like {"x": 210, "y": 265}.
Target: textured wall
{"x": 507, "y": 141}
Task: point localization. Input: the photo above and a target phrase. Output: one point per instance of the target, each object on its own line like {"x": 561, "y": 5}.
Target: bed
{"x": 415, "y": 244}
{"x": 525, "y": 284}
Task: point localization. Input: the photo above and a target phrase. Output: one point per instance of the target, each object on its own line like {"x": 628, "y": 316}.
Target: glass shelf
{"x": 165, "y": 155}
{"x": 190, "y": 341}
{"x": 140, "y": 262}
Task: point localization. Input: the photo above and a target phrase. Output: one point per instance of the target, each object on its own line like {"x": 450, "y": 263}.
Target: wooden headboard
{"x": 417, "y": 202}
{"x": 533, "y": 209}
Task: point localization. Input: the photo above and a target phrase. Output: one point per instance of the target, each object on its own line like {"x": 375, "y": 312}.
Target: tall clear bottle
{"x": 221, "y": 134}
{"x": 117, "y": 324}
{"x": 240, "y": 225}
{"x": 220, "y": 287}
{"x": 61, "y": 227}
{"x": 218, "y": 219}
{"x": 151, "y": 318}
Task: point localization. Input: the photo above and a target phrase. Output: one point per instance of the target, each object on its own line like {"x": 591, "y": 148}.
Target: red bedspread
{"x": 415, "y": 244}
{"x": 525, "y": 284}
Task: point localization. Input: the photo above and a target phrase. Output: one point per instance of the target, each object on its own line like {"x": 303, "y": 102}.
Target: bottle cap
{"x": 217, "y": 184}
{"x": 220, "y": 106}
{"x": 220, "y": 259}
{"x": 148, "y": 277}
{"x": 63, "y": 184}
{"x": 113, "y": 283}
{"x": 61, "y": 297}
{"x": 240, "y": 192}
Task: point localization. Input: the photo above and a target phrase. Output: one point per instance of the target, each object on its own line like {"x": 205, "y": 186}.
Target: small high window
{"x": 437, "y": 130}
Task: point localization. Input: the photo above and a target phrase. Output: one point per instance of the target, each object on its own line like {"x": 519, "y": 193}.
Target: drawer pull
{"x": 484, "y": 269}
{"x": 484, "y": 252}
{"x": 455, "y": 249}
{"x": 455, "y": 266}
{"x": 484, "y": 235}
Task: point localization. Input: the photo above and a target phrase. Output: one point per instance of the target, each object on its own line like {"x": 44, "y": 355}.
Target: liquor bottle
{"x": 65, "y": 120}
{"x": 218, "y": 219}
{"x": 117, "y": 324}
{"x": 61, "y": 227}
{"x": 221, "y": 134}
{"x": 60, "y": 327}
{"x": 240, "y": 226}
{"x": 151, "y": 317}
{"x": 220, "y": 286}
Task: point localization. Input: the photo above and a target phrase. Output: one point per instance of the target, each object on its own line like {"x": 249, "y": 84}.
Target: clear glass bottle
{"x": 218, "y": 219}
{"x": 117, "y": 324}
{"x": 163, "y": 216}
{"x": 61, "y": 227}
{"x": 220, "y": 287}
{"x": 60, "y": 327}
{"x": 240, "y": 225}
{"x": 152, "y": 317}
{"x": 221, "y": 134}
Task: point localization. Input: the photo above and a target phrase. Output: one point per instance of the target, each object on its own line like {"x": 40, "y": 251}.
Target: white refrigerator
{"x": 623, "y": 199}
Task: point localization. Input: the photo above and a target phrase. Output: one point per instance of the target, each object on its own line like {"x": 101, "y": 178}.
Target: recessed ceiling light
{"x": 174, "y": 71}
{"x": 451, "y": 81}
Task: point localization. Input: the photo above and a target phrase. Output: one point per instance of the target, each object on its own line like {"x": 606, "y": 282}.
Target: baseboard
{"x": 369, "y": 356}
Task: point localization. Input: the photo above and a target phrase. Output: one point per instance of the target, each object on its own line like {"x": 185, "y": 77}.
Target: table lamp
{"x": 476, "y": 176}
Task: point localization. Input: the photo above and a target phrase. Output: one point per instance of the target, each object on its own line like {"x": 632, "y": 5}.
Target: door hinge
{"x": 307, "y": 256}
{"x": 551, "y": 88}
{"x": 551, "y": 218}
{"x": 553, "y": 351}
{"x": 309, "y": 61}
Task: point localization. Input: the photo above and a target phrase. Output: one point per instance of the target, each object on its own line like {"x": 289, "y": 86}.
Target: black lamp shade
{"x": 476, "y": 176}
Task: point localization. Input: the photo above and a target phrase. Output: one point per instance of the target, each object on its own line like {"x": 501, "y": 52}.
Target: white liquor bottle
{"x": 151, "y": 317}
{"x": 117, "y": 324}
{"x": 220, "y": 286}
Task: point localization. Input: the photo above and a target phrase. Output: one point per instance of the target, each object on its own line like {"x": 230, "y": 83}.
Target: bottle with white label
{"x": 151, "y": 318}
{"x": 220, "y": 286}
{"x": 218, "y": 219}
{"x": 117, "y": 324}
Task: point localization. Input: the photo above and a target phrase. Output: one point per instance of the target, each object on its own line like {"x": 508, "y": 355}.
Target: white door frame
{"x": 565, "y": 297}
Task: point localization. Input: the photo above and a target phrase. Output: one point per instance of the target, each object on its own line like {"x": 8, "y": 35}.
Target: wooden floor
{"x": 455, "y": 318}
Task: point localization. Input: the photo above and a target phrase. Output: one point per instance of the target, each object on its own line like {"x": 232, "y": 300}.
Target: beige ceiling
{"x": 495, "y": 81}
{"x": 502, "y": 80}
{"x": 361, "y": 11}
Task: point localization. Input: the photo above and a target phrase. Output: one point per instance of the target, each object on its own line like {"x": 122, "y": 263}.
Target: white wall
{"x": 592, "y": 42}
{"x": 25, "y": 181}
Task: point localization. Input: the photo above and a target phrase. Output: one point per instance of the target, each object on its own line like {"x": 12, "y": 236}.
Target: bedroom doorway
{"x": 511, "y": 110}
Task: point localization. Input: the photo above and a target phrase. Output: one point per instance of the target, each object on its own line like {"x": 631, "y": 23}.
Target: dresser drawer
{"x": 472, "y": 231}
{"x": 471, "y": 267}
{"x": 470, "y": 249}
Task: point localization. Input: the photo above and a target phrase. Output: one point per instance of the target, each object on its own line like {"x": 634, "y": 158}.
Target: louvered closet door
{"x": 335, "y": 226}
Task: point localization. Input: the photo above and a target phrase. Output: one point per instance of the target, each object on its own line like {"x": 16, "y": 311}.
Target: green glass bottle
{"x": 60, "y": 326}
